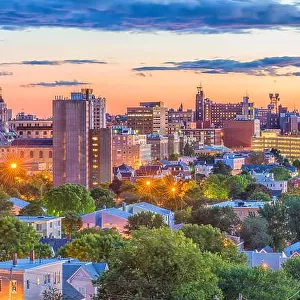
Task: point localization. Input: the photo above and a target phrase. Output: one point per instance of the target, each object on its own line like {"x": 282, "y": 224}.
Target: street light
{"x": 13, "y": 165}
{"x": 173, "y": 189}
{"x": 148, "y": 182}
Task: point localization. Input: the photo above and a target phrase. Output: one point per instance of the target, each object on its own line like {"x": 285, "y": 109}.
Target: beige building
{"x": 149, "y": 117}
{"x": 288, "y": 145}
{"x": 34, "y": 128}
{"x": 33, "y": 154}
{"x": 159, "y": 146}
{"x": 130, "y": 149}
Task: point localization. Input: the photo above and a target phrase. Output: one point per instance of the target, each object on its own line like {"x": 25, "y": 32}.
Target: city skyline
{"x": 114, "y": 50}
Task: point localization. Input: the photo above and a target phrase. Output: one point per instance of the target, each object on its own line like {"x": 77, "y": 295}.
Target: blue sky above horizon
{"x": 136, "y": 50}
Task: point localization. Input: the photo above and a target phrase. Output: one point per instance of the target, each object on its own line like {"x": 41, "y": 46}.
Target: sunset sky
{"x": 148, "y": 50}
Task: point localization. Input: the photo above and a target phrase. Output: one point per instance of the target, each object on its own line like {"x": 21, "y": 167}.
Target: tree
{"x": 292, "y": 268}
{"x": 292, "y": 203}
{"x": 52, "y": 293}
{"x": 280, "y": 173}
{"x": 42, "y": 251}
{"x": 34, "y": 208}
{"x": 223, "y": 218}
{"x": 71, "y": 222}
{"x": 158, "y": 264}
{"x": 6, "y": 207}
{"x": 255, "y": 283}
{"x": 221, "y": 168}
{"x": 213, "y": 240}
{"x": 173, "y": 157}
{"x": 149, "y": 220}
{"x": 256, "y": 158}
{"x": 188, "y": 149}
{"x": 253, "y": 188}
{"x": 261, "y": 196}
{"x": 115, "y": 186}
{"x": 69, "y": 197}
{"x": 103, "y": 197}
{"x": 94, "y": 247}
{"x": 254, "y": 232}
{"x": 16, "y": 237}
{"x": 296, "y": 163}
{"x": 216, "y": 187}
{"x": 278, "y": 223}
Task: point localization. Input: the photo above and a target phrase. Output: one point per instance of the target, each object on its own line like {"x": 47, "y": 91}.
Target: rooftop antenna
{"x": 200, "y": 88}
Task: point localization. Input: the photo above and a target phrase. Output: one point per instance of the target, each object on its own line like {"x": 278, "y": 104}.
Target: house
{"x": 291, "y": 249}
{"x": 149, "y": 171}
{"x": 267, "y": 179}
{"x": 106, "y": 218}
{"x": 28, "y": 278}
{"x": 168, "y": 215}
{"x": 234, "y": 161}
{"x": 46, "y": 226}
{"x": 242, "y": 208}
{"x": 18, "y": 204}
{"x": 266, "y": 169}
{"x": 203, "y": 168}
{"x": 295, "y": 182}
{"x": 177, "y": 169}
{"x": 78, "y": 277}
{"x": 266, "y": 260}
{"x": 124, "y": 172}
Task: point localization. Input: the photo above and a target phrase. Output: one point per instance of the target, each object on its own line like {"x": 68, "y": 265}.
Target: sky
{"x": 148, "y": 50}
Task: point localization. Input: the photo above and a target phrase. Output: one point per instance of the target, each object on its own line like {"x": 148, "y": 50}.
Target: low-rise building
{"x": 159, "y": 146}
{"x": 124, "y": 172}
{"x": 78, "y": 279}
{"x": 148, "y": 172}
{"x": 267, "y": 179}
{"x": 235, "y": 162}
{"x": 18, "y": 204}
{"x": 44, "y": 225}
{"x": 203, "y": 168}
{"x": 27, "y": 279}
{"x": 177, "y": 169}
{"x": 242, "y": 208}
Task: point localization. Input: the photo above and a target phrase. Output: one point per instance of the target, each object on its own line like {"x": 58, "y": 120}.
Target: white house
{"x": 267, "y": 179}
{"x": 46, "y": 226}
{"x": 203, "y": 168}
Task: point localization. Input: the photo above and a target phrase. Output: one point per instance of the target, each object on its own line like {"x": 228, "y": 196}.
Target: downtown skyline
{"x": 138, "y": 52}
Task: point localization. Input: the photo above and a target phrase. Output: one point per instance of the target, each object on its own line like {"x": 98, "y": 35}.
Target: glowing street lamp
{"x": 148, "y": 182}
{"x": 173, "y": 189}
{"x": 13, "y": 165}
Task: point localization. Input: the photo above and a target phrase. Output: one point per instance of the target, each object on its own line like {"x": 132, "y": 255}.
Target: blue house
{"x": 18, "y": 204}
{"x": 168, "y": 215}
{"x": 291, "y": 249}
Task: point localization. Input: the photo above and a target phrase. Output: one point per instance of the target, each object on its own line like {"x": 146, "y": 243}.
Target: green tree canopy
{"x": 148, "y": 220}
{"x": 260, "y": 196}
{"x": 221, "y": 168}
{"x": 71, "y": 222}
{"x": 254, "y": 188}
{"x": 216, "y": 187}
{"x": 296, "y": 163}
{"x": 6, "y": 207}
{"x": 103, "y": 197}
{"x": 256, "y": 158}
{"x": 16, "y": 237}
{"x": 69, "y": 197}
{"x": 280, "y": 173}
{"x": 34, "y": 208}
{"x": 93, "y": 247}
{"x": 278, "y": 223}
{"x": 158, "y": 264}
{"x": 254, "y": 232}
{"x": 213, "y": 240}
{"x": 292, "y": 268}
{"x": 292, "y": 203}
{"x": 223, "y": 218}
{"x": 255, "y": 283}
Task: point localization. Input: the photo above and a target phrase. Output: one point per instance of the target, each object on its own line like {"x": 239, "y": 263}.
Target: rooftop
{"x": 32, "y": 142}
{"x": 18, "y": 202}
{"x": 150, "y": 207}
{"x": 240, "y": 204}
{"x": 25, "y": 264}
{"x": 117, "y": 212}
{"x": 36, "y": 218}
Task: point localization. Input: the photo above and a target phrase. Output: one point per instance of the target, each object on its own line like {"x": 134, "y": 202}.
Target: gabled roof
{"x": 36, "y": 218}
{"x": 18, "y": 202}
{"x": 148, "y": 170}
{"x": 117, "y": 212}
{"x": 150, "y": 207}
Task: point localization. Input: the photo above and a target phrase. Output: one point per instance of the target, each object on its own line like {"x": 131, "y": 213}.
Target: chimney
{"x": 15, "y": 259}
{"x": 32, "y": 256}
{"x": 124, "y": 206}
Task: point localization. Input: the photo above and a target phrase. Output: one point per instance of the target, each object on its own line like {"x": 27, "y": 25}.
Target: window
{"x": 50, "y": 154}
{"x": 36, "y": 133}
{"x": 41, "y": 154}
{"x": 39, "y": 227}
{"x": 82, "y": 290}
{"x": 0, "y": 285}
{"x": 49, "y": 278}
{"x": 14, "y": 286}
{"x": 22, "y": 154}
{"x": 51, "y": 224}
{"x": 31, "y": 154}
{"x": 27, "y": 284}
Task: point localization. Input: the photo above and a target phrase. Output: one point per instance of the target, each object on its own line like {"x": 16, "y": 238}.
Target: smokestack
{"x": 32, "y": 256}
{"x": 15, "y": 259}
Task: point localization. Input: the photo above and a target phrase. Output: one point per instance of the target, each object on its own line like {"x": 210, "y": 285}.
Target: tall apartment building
{"x": 72, "y": 121}
{"x": 149, "y": 117}
{"x": 3, "y": 114}
{"x": 210, "y": 113}
{"x": 159, "y": 146}
{"x": 207, "y": 137}
{"x": 179, "y": 119}
{"x": 129, "y": 148}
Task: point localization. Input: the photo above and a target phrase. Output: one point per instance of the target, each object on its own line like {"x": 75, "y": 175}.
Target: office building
{"x": 209, "y": 113}
{"x": 209, "y": 136}
{"x": 149, "y": 117}
{"x": 72, "y": 139}
{"x": 159, "y": 146}
{"x": 238, "y": 133}
{"x": 180, "y": 119}
{"x": 288, "y": 145}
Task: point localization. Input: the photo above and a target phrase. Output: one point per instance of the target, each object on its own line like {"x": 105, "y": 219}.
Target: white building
{"x": 235, "y": 162}
{"x": 267, "y": 179}
{"x": 203, "y": 168}
{"x": 44, "y": 225}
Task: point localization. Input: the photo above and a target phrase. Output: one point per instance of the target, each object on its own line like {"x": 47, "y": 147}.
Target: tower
{"x": 199, "y": 107}
{"x": 274, "y": 99}
{"x": 3, "y": 114}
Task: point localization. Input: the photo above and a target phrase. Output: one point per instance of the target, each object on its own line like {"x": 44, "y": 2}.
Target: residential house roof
{"x": 117, "y": 212}
{"x": 36, "y": 218}
{"x": 18, "y": 202}
{"x": 149, "y": 207}
{"x": 54, "y": 243}
{"x": 151, "y": 170}
{"x": 33, "y": 142}
{"x": 24, "y": 263}
{"x": 240, "y": 204}
{"x": 292, "y": 248}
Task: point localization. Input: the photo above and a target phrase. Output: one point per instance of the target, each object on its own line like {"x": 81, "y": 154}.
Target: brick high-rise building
{"x": 149, "y": 117}
{"x": 209, "y": 113}
{"x": 73, "y": 120}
